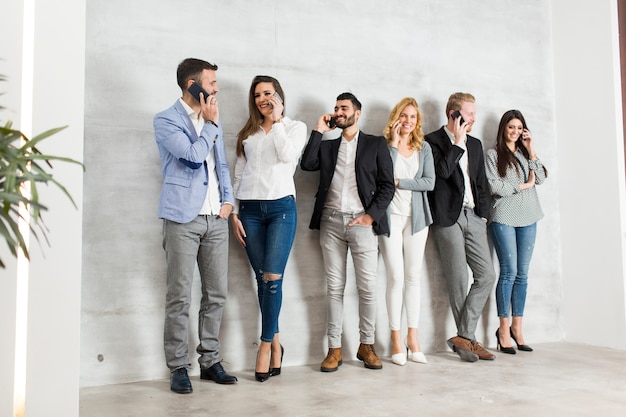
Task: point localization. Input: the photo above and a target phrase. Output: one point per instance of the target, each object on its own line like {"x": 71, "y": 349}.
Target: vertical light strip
{"x": 26, "y": 126}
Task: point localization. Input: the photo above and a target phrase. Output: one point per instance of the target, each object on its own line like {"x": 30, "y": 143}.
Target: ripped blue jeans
{"x": 270, "y": 227}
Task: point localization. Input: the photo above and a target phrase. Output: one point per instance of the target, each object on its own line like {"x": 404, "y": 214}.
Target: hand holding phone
{"x": 195, "y": 89}
{"x": 460, "y": 133}
{"x": 209, "y": 109}
{"x": 395, "y": 133}
{"x": 457, "y": 114}
{"x": 397, "y": 125}
{"x": 280, "y": 99}
{"x": 325, "y": 123}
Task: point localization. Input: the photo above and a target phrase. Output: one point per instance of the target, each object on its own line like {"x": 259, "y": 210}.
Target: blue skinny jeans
{"x": 270, "y": 227}
{"x": 514, "y": 246}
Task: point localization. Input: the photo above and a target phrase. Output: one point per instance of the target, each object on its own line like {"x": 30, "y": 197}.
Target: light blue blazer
{"x": 423, "y": 181}
{"x": 183, "y": 154}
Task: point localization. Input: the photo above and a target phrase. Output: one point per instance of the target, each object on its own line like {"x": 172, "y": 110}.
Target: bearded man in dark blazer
{"x": 356, "y": 186}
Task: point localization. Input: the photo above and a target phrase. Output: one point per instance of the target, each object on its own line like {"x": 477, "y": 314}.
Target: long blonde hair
{"x": 416, "y": 137}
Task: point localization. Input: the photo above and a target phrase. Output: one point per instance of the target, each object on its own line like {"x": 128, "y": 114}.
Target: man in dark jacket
{"x": 356, "y": 186}
{"x": 459, "y": 206}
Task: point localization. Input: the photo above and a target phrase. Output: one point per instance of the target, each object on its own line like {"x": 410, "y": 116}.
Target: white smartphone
{"x": 278, "y": 97}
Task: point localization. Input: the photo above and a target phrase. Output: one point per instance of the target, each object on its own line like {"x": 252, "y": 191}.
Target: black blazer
{"x": 374, "y": 175}
{"x": 446, "y": 200}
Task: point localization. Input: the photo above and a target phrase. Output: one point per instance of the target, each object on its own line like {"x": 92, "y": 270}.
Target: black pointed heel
{"x": 501, "y": 348}
{"x": 525, "y": 348}
{"x": 276, "y": 371}
{"x": 261, "y": 376}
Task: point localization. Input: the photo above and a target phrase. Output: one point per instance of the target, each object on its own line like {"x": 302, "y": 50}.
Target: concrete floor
{"x": 557, "y": 379}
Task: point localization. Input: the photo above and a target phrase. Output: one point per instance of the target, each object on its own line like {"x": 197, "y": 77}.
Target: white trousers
{"x": 403, "y": 254}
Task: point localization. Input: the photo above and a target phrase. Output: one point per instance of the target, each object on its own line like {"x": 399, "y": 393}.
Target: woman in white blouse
{"x": 264, "y": 218}
{"x": 409, "y": 217}
{"x": 513, "y": 171}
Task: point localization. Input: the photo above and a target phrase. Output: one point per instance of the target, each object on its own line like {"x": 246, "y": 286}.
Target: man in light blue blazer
{"x": 196, "y": 201}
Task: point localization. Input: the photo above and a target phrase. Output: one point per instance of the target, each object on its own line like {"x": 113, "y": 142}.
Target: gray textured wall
{"x": 499, "y": 50}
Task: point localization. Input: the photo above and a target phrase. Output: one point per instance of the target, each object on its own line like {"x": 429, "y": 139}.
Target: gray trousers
{"x": 460, "y": 245}
{"x": 336, "y": 237}
{"x": 204, "y": 241}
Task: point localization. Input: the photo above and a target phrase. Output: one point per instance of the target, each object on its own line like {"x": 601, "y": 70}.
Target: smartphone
{"x": 278, "y": 97}
{"x": 332, "y": 123}
{"x": 195, "y": 89}
{"x": 457, "y": 114}
{"x": 521, "y": 137}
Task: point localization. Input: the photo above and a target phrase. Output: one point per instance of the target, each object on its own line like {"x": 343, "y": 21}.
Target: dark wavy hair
{"x": 506, "y": 158}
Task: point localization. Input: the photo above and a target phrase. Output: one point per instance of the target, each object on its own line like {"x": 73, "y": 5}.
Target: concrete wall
{"x": 381, "y": 52}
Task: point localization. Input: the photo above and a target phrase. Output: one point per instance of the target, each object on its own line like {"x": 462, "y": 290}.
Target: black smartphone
{"x": 457, "y": 114}
{"x": 195, "y": 89}
{"x": 278, "y": 97}
{"x": 332, "y": 123}
{"x": 521, "y": 137}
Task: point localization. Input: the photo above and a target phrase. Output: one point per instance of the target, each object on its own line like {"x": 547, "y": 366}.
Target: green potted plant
{"x": 23, "y": 166}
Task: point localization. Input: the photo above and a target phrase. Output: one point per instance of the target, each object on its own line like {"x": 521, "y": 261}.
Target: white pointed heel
{"x": 415, "y": 356}
{"x": 418, "y": 357}
{"x": 399, "y": 358}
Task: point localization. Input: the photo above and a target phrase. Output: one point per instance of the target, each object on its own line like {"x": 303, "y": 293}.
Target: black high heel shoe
{"x": 276, "y": 371}
{"x": 525, "y": 348}
{"x": 501, "y": 348}
{"x": 261, "y": 376}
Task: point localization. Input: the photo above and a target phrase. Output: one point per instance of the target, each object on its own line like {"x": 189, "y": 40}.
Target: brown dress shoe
{"x": 333, "y": 360}
{"x": 368, "y": 356}
{"x": 482, "y": 352}
{"x": 463, "y": 348}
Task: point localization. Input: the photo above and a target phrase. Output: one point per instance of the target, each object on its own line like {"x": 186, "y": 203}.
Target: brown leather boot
{"x": 482, "y": 352}
{"x": 463, "y": 348}
{"x": 333, "y": 360}
{"x": 368, "y": 356}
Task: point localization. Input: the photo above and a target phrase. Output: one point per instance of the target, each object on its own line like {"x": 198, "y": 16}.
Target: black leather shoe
{"x": 218, "y": 374}
{"x": 179, "y": 381}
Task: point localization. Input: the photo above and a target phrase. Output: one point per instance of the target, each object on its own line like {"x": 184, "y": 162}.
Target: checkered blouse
{"x": 510, "y": 205}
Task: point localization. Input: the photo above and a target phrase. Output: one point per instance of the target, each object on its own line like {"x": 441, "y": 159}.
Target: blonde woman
{"x": 409, "y": 217}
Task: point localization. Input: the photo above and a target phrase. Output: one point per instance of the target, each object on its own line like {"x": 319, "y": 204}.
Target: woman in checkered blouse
{"x": 513, "y": 172}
